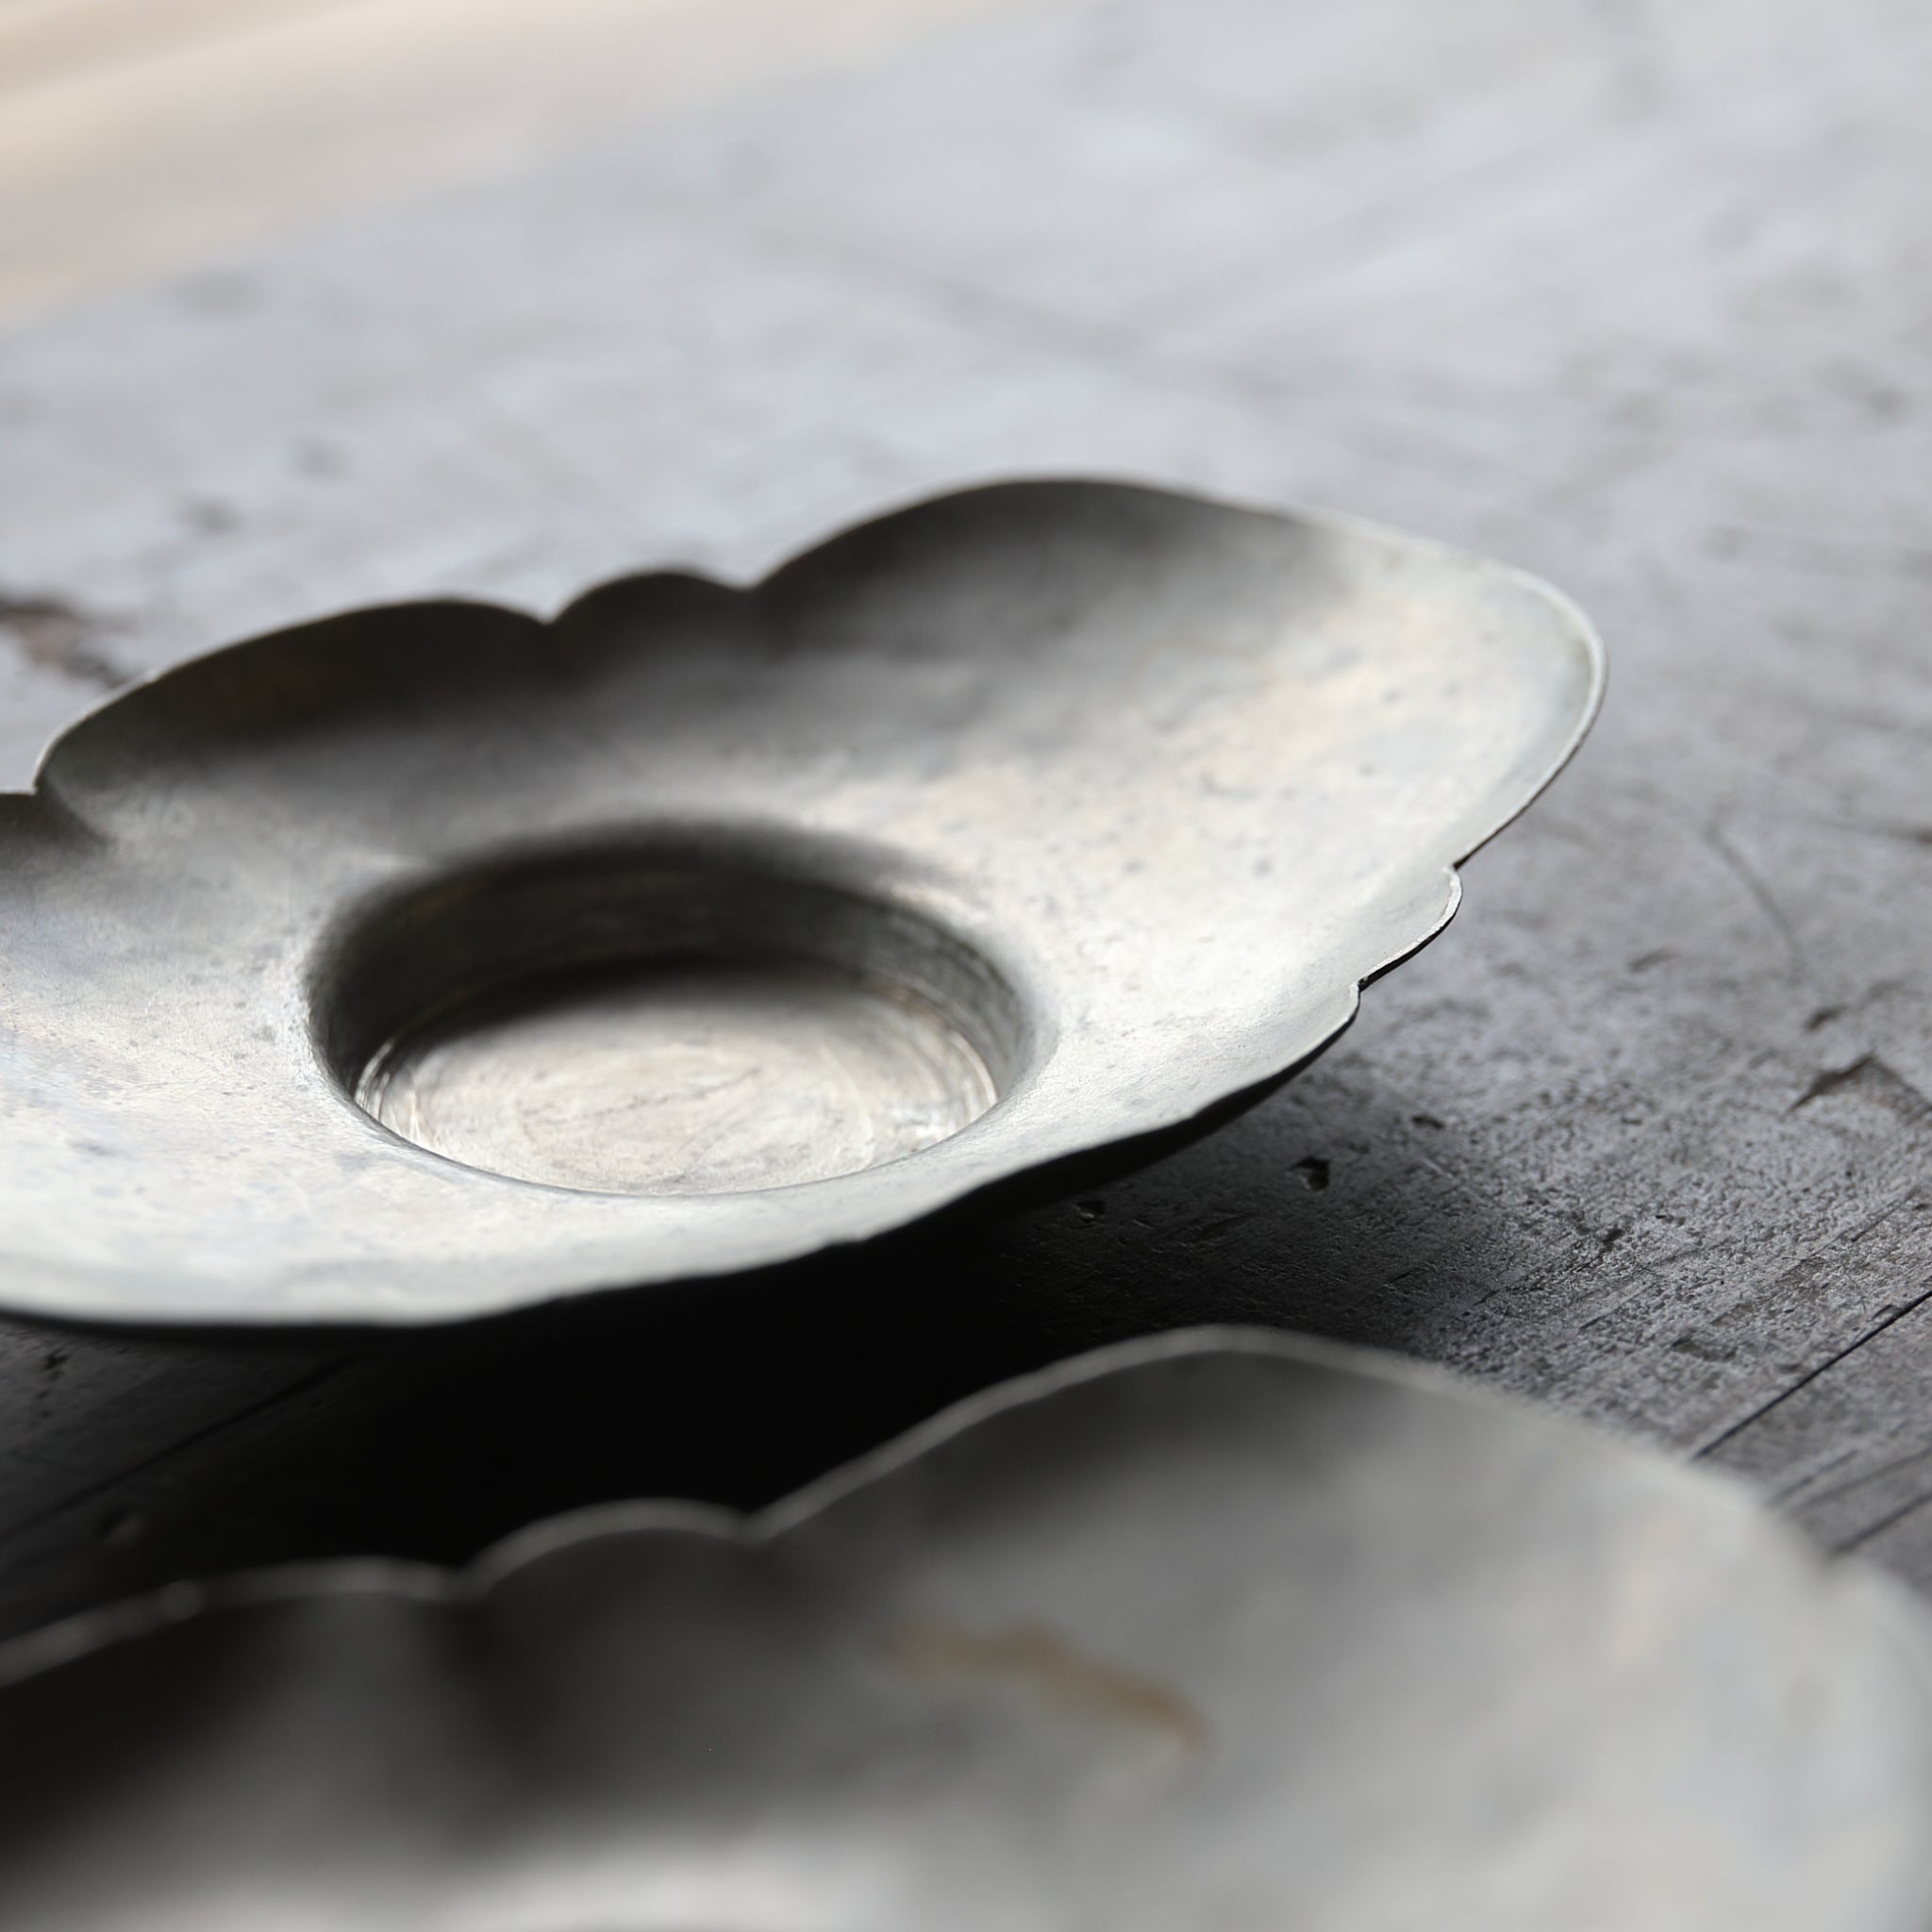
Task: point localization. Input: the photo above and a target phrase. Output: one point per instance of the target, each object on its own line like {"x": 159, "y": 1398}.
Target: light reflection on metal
{"x": 428, "y": 961}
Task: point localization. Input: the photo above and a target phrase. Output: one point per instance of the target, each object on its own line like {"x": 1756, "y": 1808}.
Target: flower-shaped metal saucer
{"x": 432, "y": 961}
{"x": 1208, "y": 1631}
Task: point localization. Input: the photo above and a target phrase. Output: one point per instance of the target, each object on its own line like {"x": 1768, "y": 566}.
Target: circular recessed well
{"x": 655, "y": 1022}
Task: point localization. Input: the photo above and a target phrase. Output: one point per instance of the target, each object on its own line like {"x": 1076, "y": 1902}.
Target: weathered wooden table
{"x": 1638, "y": 296}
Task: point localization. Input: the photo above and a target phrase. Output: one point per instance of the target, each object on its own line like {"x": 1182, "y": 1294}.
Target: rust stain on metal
{"x": 1042, "y": 1661}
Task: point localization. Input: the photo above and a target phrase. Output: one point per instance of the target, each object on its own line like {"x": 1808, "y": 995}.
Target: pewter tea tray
{"x": 432, "y": 961}
{"x": 1206, "y": 1631}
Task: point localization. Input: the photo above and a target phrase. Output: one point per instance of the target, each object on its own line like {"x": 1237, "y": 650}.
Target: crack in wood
{"x": 1873, "y": 1074}
{"x": 1893, "y": 1315}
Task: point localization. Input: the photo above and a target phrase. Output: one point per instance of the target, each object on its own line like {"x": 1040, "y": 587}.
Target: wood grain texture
{"x": 1634, "y": 297}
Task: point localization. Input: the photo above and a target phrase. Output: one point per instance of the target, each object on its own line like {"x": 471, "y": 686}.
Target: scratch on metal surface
{"x": 1042, "y": 1661}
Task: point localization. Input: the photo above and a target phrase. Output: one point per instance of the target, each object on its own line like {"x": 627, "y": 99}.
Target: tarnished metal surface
{"x": 1215, "y": 1630}
{"x": 703, "y": 927}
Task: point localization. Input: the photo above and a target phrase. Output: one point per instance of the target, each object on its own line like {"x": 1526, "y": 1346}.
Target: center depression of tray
{"x": 699, "y": 1078}
{"x": 663, "y": 1017}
